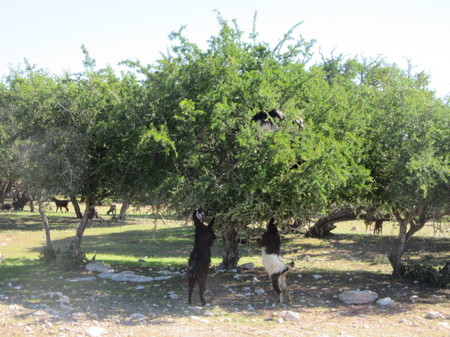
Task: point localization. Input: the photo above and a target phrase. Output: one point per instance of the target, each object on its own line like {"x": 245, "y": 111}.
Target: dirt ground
{"x": 106, "y": 308}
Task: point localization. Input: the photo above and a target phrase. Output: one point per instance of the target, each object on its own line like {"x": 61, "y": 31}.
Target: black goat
{"x": 60, "y": 204}
{"x": 273, "y": 263}
{"x": 378, "y": 228}
{"x": 7, "y": 207}
{"x": 200, "y": 257}
{"x": 266, "y": 123}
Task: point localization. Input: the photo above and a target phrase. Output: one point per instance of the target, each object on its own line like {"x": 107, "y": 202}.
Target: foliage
{"x": 425, "y": 274}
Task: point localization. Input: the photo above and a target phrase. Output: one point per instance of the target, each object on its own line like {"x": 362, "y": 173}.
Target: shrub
{"x": 424, "y": 273}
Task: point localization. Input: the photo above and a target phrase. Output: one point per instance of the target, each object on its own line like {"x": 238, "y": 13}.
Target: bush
{"x": 425, "y": 274}
{"x": 69, "y": 260}
{"x": 48, "y": 255}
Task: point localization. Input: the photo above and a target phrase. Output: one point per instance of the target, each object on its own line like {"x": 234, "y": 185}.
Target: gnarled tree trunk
{"x": 123, "y": 210}
{"x": 76, "y": 206}
{"x": 51, "y": 255}
{"x": 230, "y": 254}
{"x": 398, "y": 247}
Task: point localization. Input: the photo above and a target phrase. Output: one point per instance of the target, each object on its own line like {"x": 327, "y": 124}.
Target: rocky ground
{"x": 240, "y": 303}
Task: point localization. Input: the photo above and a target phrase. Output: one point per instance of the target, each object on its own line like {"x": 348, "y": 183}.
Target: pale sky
{"x": 49, "y": 33}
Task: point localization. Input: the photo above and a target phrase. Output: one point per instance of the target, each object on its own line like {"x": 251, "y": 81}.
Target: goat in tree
{"x": 200, "y": 257}
{"x": 273, "y": 263}
{"x": 265, "y": 120}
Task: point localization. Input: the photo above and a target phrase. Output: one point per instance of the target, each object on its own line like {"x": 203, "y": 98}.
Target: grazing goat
{"x": 369, "y": 224}
{"x": 7, "y": 207}
{"x": 60, "y": 204}
{"x": 112, "y": 210}
{"x": 200, "y": 257}
{"x": 378, "y": 229}
{"x": 273, "y": 263}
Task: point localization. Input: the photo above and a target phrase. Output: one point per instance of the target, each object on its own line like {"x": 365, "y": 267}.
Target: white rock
{"x": 306, "y": 258}
{"x": 317, "y": 277}
{"x": 95, "y": 331}
{"x": 255, "y": 280}
{"x": 299, "y": 275}
{"x": 248, "y": 266}
{"x": 174, "y": 296}
{"x": 259, "y": 291}
{"x": 444, "y": 325}
{"x": 81, "y": 279}
{"x": 139, "y": 288}
{"x": 98, "y": 267}
{"x": 386, "y": 301}
{"x": 237, "y": 277}
{"x": 162, "y": 278}
{"x": 358, "y": 297}
{"x": 433, "y": 315}
{"x": 289, "y": 315}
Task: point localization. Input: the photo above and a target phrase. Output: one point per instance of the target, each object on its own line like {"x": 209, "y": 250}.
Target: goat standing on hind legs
{"x": 273, "y": 263}
{"x": 200, "y": 258}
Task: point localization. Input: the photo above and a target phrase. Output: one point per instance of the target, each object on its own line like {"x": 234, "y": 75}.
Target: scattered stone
{"x": 306, "y": 258}
{"x": 386, "y": 302}
{"x": 95, "y": 331}
{"x": 444, "y": 325}
{"x": 174, "y": 296}
{"x": 199, "y": 319}
{"x": 82, "y": 279}
{"x": 162, "y": 278}
{"x": 292, "y": 316}
{"x": 208, "y": 313}
{"x": 1, "y": 258}
{"x": 259, "y": 291}
{"x": 136, "y": 317}
{"x": 139, "y": 288}
{"x": 237, "y": 276}
{"x": 433, "y": 315}
{"x": 255, "y": 280}
{"x": 317, "y": 277}
{"x": 299, "y": 275}
{"x": 357, "y": 296}
{"x": 414, "y": 298}
{"x": 98, "y": 267}
{"x": 126, "y": 276}
{"x": 247, "y": 266}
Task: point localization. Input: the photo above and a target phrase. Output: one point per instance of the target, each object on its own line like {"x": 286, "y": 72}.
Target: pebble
{"x": 95, "y": 331}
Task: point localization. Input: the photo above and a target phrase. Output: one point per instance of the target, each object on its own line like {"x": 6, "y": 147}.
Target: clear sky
{"x": 49, "y": 33}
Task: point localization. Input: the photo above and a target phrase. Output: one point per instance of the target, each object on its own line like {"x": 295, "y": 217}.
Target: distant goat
{"x": 112, "y": 210}
{"x": 7, "y": 207}
{"x": 273, "y": 263}
{"x": 200, "y": 257}
{"x": 378, "y": 229}
{"x": 60, "y": 204}
{"x": 369, "y": 224}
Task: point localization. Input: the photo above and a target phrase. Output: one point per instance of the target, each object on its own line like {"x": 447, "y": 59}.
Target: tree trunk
{"x": 50, "y": 251}
{"x": 323, "y": 227}
{"x": 32, "y": 210}
{"x": 123, "y": 210}
{"x": 398, "y": 247}
{"x": 76, "y": 206}
{"x": 230, "y": 255}
{"x": 76, "y": 243}
{"x": 5, "y": 188}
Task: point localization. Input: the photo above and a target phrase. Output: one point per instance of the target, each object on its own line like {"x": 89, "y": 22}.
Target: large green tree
{"x": 225, "y": 163}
